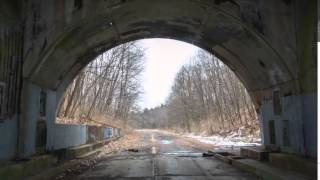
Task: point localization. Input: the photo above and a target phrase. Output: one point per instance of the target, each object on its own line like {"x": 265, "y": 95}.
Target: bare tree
{"x": 107, "y": 89}
{"x": 206, "y": 96}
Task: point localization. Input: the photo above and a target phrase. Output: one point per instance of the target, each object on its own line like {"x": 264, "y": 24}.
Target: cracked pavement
{"x": 166, "y": 157}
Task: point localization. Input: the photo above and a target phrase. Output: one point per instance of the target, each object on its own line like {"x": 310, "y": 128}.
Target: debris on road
{"x": 131, "y": 141}
{"x": 208, "y": 154}
{"x": 133, "y": 150}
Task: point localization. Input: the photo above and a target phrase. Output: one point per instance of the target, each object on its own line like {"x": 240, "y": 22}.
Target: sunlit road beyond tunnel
{"x": 166, "y": 156}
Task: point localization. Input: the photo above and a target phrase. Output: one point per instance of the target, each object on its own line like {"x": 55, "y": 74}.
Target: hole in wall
{"x": 262, "y": 64}
{"x": 78, "y": 4}
{"x": 286, "y": 133}
{"x": 287, "y": 94}
{"x": 272, "y": 132}
{"x": 277, "y": 109}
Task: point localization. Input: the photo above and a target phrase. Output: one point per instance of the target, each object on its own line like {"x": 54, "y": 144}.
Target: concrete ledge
{"x": 80, "y": 151}
{"x": 60, "y": 168}
{"x": 226, "y": 157}
{"x": 223, "y": 157}
{"x": 75, "y": 152}
{"x": 98, "y": 145}
{"x": 257, "y": 153}
{"x": 39, "y": 167}
{"x": 56, "y": 170}
{"x": 30, "y": 167}
{"x": 294, "y": 163}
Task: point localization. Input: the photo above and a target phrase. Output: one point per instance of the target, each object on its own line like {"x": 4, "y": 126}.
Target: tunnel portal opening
{"x": 206, "y": 97}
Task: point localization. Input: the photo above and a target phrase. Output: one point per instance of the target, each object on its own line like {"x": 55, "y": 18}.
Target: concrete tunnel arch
{"x": 62, "y": 88}
{"x": 258, "y": 65}
{"x": 241, "y": 34}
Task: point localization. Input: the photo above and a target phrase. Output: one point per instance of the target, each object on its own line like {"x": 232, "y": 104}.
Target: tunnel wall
{"x": 58, "y": 136}
{"x": 11, "y": 45}
{"x": 289, "y": 113}
{"x": 297, "y": 135}
{"x": 309, "y": 103}
{"x": 31, "y": 116}
{"x": 8, "y": 141}
{"x": 64, "y": 136}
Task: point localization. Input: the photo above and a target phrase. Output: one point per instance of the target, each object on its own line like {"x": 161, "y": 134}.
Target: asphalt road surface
{"x": 167, "y": 157}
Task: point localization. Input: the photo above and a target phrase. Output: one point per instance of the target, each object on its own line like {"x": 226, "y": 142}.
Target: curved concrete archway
{"x": 268, "y": 44}
{"x": 232, "y": 31}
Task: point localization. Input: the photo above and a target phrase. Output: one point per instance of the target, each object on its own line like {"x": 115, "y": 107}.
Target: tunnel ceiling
{"x": 254, "y": 38}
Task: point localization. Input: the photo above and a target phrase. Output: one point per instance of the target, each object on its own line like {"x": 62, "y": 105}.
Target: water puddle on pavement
{"x": 166, "y": 142}
{"x": 152, "y": 138}
{"x": 184, "y": 154}
{"x": 154, "y": 150}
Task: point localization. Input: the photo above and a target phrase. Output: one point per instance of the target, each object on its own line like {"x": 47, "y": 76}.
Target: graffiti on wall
{"x": 96, "y": 133}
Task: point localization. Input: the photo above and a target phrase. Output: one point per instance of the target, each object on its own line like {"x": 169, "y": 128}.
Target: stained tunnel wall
{"x": 59, "y": 40}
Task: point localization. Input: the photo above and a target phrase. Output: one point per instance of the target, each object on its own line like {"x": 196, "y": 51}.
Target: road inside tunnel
{"x": 164, "y": 156}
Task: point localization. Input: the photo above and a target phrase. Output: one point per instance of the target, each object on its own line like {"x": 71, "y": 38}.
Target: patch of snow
{"x": 233, "y": 139}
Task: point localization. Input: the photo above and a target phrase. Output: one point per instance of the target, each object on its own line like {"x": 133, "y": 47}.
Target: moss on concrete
{"x": 9, "y": 12}
{"x": 24, "y": 169}
{"x": 294, "y": 163}
{"x": 307, "y": 47}
{"x": 266, "y": 172}
{"x": 52, "y": 172}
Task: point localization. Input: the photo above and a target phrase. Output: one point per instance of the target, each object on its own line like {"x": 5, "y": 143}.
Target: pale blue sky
{"x": 164, "y": 58}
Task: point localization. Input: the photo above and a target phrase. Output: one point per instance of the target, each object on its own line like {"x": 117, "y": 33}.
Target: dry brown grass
{"x": 132, "y": 140}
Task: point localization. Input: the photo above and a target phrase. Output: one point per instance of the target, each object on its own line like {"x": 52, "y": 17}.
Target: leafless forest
{"x": 206, "y": 95}
{"x": 106, "y": 90}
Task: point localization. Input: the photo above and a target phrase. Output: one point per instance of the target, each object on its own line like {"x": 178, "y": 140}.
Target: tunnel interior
{"x": 256, "y": 39}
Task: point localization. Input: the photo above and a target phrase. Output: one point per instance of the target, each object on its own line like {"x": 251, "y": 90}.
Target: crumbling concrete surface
{"x": 162, "y": 156}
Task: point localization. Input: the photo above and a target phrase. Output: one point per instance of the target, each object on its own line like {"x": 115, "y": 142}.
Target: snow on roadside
{"x": 233, "y": 139}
